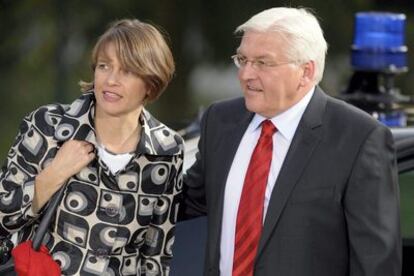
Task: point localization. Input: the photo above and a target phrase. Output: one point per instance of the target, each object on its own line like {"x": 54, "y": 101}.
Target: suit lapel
{"x": 307, "y": 137}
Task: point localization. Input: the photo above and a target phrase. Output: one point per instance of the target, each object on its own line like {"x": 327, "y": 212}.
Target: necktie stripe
{"x": 245, "y": 218}
{"x": 258, "y": 179}
{"x": 256, "y": 192}
{"x": 245, "y": 268}
{"x": 251, "y": 242}
{"x": 246, "y": 229}
{"x": 245, "y": 258}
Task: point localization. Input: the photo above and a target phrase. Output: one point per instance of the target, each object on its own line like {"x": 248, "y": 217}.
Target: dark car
{"x": 404, "y": 142}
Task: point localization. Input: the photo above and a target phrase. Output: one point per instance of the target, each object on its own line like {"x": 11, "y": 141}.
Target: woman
{"x": 121, "y": 167}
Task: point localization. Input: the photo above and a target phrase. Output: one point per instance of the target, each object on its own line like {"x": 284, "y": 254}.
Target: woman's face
{"x": 117, "y": 91}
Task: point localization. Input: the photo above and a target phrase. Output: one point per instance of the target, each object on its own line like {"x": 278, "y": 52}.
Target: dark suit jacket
{"x": 334, "y": 209}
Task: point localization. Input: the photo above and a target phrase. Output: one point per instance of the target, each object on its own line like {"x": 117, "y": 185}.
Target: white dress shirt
{"x": 286, "y": 124}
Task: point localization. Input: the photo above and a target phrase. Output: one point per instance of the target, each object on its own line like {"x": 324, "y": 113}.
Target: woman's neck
{"x": 118, "y": 134}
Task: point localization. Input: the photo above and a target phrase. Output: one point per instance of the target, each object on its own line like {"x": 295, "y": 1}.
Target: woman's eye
{"x": 102, "y": 66}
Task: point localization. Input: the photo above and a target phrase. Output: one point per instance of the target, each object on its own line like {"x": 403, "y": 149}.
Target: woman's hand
{"x": 70, "y": 159}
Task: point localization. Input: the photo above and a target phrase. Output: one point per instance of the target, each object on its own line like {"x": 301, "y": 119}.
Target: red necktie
{"x": 250, "y": 212}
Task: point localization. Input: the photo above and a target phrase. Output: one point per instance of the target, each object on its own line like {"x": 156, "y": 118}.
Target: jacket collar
{"x": 77, "y": 123}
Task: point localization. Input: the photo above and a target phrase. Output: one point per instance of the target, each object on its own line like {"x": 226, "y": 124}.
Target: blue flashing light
{"x": 392, "y": 119}
{"x": 379, "y": 42}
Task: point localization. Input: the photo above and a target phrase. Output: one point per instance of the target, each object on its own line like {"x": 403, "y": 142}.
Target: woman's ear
{"x": 148, "y": 96}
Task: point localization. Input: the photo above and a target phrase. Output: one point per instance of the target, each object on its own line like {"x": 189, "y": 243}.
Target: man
{"x": 293, "y": 182}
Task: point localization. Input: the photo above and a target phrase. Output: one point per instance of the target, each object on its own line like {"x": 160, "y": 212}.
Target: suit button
{"x": 111, "y": 211}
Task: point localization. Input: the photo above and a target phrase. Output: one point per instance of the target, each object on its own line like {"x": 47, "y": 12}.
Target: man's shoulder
{"x": 236, "y": 103}
{"x": 348, "y": 116}
{"x": 229, "y": 111}
{"x": 233, "y": 107}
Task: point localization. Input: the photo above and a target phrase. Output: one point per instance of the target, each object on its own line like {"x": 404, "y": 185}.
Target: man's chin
{"x": 251, "y": 106}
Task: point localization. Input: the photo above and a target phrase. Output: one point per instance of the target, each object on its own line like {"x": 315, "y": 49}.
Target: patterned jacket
{"x": 106, "y": 224}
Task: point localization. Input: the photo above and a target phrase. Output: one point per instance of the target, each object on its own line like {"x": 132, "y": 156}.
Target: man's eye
{"x": 242, "y": 60}
{"x": 261, "y": 62}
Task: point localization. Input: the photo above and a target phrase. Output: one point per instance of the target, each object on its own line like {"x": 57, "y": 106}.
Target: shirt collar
{"x": 287, "y": 121}
{"x": 78, "y": 123}
{"x": 156, "y": 138}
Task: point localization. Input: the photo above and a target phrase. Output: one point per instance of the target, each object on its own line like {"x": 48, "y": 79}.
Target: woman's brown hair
{"x": 142, "y": 50}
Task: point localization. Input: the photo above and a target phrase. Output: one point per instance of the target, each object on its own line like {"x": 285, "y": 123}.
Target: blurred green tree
{"x": 46, "y": 45}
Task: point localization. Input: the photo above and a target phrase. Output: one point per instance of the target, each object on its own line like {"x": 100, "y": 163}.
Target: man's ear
{"x": 308, "y": 75}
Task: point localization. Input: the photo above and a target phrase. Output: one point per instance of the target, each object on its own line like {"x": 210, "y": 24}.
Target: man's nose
{"x": 247, "y": 71}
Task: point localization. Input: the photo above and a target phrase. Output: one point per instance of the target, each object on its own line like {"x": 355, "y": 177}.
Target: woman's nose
{"x": 113, "y": 77}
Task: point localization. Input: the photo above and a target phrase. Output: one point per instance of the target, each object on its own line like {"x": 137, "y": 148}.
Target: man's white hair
{"x": 301, "y": 30}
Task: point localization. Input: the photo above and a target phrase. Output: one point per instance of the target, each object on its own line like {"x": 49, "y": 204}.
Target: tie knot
{"x": 268, "y": 128}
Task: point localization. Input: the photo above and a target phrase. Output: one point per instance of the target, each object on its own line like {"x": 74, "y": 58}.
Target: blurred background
{"x": 45, "y": 49}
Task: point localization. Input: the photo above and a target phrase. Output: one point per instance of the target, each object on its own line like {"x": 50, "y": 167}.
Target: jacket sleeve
{"x": 29, "y": 153}
{"x": 159, "y": 237}
{"x": 194, "y": 202}
{"x": 372, "y": 208}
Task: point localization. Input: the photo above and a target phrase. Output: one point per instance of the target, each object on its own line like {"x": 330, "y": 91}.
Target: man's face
{"x": 268, "y": 90}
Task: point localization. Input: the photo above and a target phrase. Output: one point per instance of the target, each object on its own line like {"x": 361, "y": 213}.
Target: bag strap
{"x": 47, "y": 217}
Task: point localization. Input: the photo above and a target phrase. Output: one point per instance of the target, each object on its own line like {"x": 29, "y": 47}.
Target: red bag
{"x": 28, "y": 262}
{"x": 32, "y": 258}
